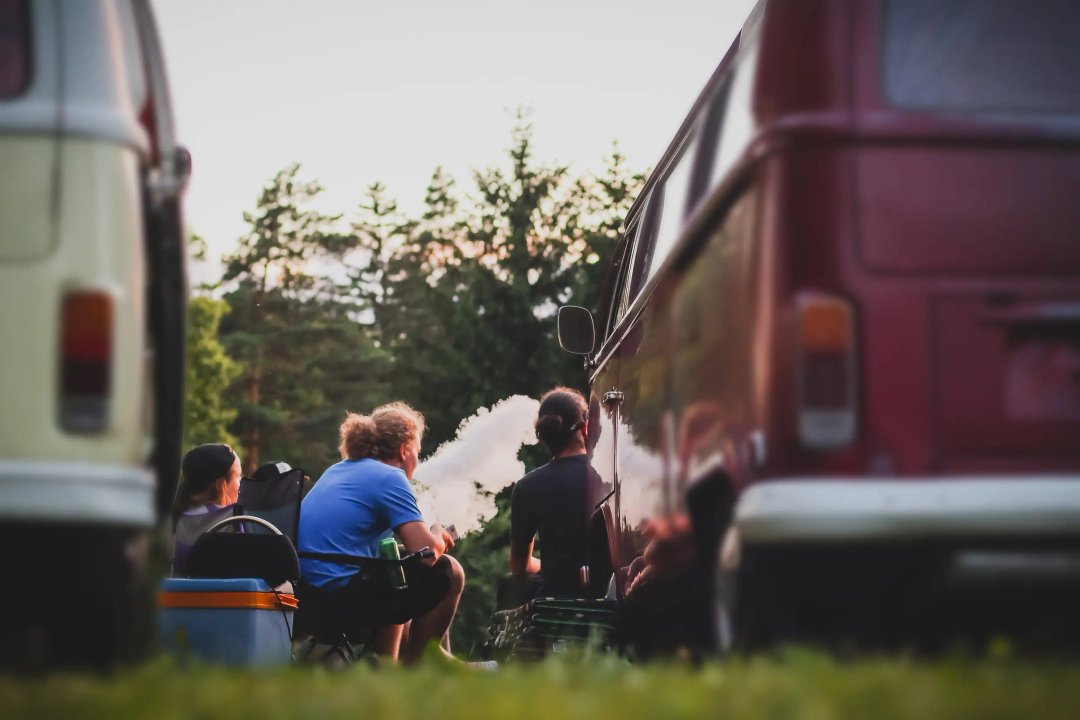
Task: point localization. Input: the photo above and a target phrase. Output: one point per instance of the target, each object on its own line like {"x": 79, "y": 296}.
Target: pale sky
{"x": 360, "y": 91}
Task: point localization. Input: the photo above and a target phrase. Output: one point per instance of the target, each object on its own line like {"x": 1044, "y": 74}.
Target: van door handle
{"x": 613, "y": 397}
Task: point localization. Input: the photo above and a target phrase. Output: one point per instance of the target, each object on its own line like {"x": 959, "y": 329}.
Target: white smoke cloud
{"x": 456, "y": 485}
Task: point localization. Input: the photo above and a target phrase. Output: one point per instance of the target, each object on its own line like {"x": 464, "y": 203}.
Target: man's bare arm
{"x": 417, "y": 536}
{"x": 522, "y": 560}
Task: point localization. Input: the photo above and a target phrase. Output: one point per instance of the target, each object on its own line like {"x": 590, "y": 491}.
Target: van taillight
{"x": 85, "y": 361}
{"x": 826, "y": 371}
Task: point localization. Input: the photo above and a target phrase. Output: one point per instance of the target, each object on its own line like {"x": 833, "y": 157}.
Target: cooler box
{"x": 234, "y": 621}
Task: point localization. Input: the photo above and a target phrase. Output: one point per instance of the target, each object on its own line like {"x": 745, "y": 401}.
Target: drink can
{"x": 388, "y": 550}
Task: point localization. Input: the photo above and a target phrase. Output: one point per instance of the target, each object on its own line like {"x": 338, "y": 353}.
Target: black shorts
{"x": 375, "y": 601}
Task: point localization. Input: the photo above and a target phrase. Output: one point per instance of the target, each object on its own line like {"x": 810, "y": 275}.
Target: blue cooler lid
{"x": 214, "y": 585}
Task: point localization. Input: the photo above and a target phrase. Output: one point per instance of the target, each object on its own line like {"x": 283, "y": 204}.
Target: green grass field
{"x": 794, "y": 685}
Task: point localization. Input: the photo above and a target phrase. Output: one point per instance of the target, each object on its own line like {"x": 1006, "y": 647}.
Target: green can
{"x": 388, "y": 550}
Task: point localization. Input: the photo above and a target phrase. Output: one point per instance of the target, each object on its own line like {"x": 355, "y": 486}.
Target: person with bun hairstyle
{"x": 367, "y": 497}
{"x": 209, "y": 487}
{"x": 550, "y": 502}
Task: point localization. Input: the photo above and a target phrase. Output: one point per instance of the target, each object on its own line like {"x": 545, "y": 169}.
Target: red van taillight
{"x": 826, "y": 371}
{"x": 86, "y": 347}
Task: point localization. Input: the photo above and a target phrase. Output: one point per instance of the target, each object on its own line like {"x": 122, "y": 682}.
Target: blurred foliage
{"x": 209, "y": 372}
{"x": 794, "y": 685}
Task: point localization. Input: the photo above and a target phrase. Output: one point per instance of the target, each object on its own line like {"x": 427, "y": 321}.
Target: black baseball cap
{"x": 206, "y": 463}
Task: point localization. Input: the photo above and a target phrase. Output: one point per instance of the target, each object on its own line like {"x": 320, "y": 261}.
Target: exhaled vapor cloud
{"x": 457, "y": 485}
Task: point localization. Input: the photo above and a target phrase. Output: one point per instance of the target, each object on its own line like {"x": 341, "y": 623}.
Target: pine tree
{"x": 287, "y": 329}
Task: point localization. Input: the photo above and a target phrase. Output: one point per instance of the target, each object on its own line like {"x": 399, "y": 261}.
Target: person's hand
{"x": 440, "y": 532}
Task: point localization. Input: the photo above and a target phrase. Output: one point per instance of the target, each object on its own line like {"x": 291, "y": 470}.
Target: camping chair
{"x": 190, "y": 526}
{"x": 273, "y": 493}
{"x": 244, "y": 546}
{"x": 337, "y": 618}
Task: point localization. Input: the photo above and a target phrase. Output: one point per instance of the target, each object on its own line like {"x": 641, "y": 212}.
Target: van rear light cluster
{"x": 86, "y": 347}
{"x": 827, "y": 403}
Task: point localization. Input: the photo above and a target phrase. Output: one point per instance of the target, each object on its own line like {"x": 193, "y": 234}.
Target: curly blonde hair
{"x": 381, "y": 434}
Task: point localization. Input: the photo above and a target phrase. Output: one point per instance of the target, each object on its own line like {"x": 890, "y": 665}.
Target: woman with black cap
{"x": 209, "y": 488}
{"x": 551, "y": 500}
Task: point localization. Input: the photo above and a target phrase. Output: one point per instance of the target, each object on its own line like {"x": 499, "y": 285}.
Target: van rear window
{"x": 14, "y": 47}
{"x": 983, "y": 55}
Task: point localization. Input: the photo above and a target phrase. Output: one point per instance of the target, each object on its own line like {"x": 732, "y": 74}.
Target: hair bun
{"x": 549, "y": 424}
{"x": 562, "y": 411}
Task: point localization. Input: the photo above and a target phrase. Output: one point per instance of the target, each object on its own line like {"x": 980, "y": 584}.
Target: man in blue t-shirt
{"x": 361, "y": 500}
{"x": 355, "y": 504}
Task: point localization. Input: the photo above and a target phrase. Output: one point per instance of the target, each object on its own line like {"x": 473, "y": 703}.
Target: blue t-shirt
{"x": 354, "y": 504}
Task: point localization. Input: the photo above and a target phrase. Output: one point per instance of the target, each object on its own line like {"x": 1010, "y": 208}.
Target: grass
{"x": 794, "y": 685}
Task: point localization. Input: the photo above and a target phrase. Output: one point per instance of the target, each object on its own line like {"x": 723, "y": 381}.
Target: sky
{"x": 360, "y": 91}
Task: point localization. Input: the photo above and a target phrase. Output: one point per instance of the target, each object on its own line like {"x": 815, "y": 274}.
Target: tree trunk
{"x": 251, "y": 444}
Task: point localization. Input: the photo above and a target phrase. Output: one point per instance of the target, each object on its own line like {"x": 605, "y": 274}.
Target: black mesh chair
{"x": 329, "y": 621}
{"x": 273, "y": 493}
{"x": 341, "y": 622}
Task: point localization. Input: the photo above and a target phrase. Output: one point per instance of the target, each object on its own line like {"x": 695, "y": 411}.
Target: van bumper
{"x": 76, "y": 493}
{"x": 847, "y": 509}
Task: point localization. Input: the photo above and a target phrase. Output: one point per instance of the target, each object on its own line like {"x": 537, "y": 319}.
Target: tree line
{"x": 449, "y": 310}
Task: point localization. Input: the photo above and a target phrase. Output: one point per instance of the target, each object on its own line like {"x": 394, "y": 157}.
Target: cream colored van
{"x": 92, "y": 296}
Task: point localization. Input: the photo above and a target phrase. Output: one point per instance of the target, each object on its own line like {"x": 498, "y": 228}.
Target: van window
{"x": 990, "y": 55}
{"x": 671, "y": 199}
{"x": 735, "y": 116}
{"x": 629, "y": 283}
{"x": 14, "y": 47}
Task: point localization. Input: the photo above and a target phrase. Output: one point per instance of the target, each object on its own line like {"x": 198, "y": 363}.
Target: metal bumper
{"x": 863, "y": 509}
{"x": 76, "y": 493}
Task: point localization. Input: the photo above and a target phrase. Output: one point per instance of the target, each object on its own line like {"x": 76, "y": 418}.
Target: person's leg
{"x": 388, "y": 641}
{"x": 433, "y": 624}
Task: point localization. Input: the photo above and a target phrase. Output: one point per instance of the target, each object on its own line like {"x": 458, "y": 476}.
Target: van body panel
{"x": 97, "y": 35}
{"x": 807, "y": 69}
{"x": 27, "y": 197}
{"x": 716, "y": 393}
{"x": 1007, "y": 369}
{"x": 603, "y": 419}
{"x": 1001, "y": 211}
{"x": 642, "y": 431}
{"x": 100, "y": 246}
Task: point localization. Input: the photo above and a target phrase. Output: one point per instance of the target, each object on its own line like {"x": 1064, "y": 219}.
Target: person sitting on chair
{"x": 363, "y": 499}
{"x": 209, "y": 487}
{"x": 551, "y": 502}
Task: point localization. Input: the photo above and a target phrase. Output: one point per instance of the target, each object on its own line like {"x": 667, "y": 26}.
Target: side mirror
{"x": 577, "y": 334}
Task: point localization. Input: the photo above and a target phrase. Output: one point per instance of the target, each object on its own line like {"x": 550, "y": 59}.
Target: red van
{"x": 835, "y": 371}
